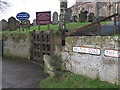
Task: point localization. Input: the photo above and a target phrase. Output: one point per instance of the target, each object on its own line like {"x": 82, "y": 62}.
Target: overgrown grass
{"x": 54, "y": 27}
{"x": 116, "y": 35}
{"x": 106, "y": 22}
{"x": 70, "y": 80}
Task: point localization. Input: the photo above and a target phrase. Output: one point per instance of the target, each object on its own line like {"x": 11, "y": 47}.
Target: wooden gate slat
{"x": 43, "y": 43}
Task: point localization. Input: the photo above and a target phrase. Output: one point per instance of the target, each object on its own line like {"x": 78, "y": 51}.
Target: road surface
{"x": 21, "y": 74}
{"x": 108, "y": 29}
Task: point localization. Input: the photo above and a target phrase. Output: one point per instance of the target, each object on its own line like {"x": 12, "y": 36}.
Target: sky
{"x": 31, "y": 7}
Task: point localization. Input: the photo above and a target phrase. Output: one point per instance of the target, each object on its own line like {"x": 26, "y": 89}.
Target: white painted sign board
{"x": 112, "y": 53}
{"x": 87, "y": 50}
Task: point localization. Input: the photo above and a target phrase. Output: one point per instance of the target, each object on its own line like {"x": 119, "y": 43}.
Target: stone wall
{"x": 17, "y": 45}
{"x": 93, "y": 66}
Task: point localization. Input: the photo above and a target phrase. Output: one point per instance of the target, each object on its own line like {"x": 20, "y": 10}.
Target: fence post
{"x": 41, "y": 44}
{"x": 2, "y": 42}
{"x": 99, "y": 28}
{"x": 115, "y": 25}
{"x": 31, "y": 44}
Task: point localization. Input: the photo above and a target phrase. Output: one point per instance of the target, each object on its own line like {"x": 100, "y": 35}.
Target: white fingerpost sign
{"x": 112, "y": 53}
{"x": 87, "y": 50}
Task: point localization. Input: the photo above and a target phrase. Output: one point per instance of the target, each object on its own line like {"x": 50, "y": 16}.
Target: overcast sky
{"x": 31, "y": 7}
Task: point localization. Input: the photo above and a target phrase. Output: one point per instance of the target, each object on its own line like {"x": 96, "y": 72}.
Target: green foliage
{"x": 106, "y": 22}
{"x": 76, "y": 25}
{"x": 82, "y": 17}
{"x": 116, "y": 35}
{"x": 70, "y": 80}
{"x": 90, "y": 18}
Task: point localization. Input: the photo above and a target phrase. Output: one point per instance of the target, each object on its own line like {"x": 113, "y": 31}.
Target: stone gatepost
{"x": 54, "y": 65}
{"x": 63, "y": 8}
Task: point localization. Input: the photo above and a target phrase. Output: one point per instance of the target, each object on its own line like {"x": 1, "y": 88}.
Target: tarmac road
{"x": 108, "y": 29}
{"x": 21, "y": 74}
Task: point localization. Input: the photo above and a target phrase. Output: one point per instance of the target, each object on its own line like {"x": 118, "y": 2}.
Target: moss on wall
{"x": 16, "y": 37}
{"x": 19, "y": 42}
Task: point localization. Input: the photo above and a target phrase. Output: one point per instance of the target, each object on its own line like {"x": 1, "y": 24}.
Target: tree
{"x": 4, "y": 5}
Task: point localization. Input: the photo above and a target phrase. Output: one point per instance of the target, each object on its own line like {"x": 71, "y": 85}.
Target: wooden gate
{"x": 87, "y": 30}
{"x": 42, "y": 43}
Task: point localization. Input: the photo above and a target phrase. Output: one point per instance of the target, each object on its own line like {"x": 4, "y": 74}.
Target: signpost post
{"x": 43, "y": 18}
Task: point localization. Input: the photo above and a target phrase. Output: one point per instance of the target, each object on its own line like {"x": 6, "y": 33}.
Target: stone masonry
{"x": 93, "y": 66}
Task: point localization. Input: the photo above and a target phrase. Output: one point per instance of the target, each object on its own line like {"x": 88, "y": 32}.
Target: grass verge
{"x": 70, "y": 80}
{"x": 70, "y": 26}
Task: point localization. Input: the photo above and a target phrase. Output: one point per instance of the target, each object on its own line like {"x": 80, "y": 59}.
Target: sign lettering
{"x": 112, "y": 53}
{"x": 87, "y": 50}
{"x": 43, "y": 17}
{"x": 23, "y": 16}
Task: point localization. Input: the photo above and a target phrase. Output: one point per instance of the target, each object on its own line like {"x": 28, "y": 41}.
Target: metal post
{"x": 22, "y": 28}
{"x": 115, "y": 25}
{"x": 31, "y": 45}
{"x": 48, "y": 26}
{"x": 39, "y": 27}
{"x": 19, "y": 28}
{"x": 99, "y": 28}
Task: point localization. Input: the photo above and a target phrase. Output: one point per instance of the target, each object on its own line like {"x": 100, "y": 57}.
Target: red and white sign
{"x": 43, "y": 17}
{"x": 87, "y": 50}
{"x": 112, "y": 53}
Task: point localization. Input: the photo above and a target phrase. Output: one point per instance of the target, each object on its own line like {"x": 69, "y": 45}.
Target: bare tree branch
{"x": 4, "y": 5}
